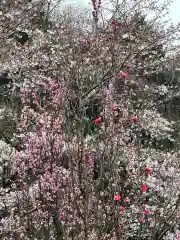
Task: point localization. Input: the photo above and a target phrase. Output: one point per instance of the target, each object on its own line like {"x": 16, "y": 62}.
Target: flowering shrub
{"x": 121, "y": 188}
{"x": 104, "y": 184}
{"x": 5, "y": 154}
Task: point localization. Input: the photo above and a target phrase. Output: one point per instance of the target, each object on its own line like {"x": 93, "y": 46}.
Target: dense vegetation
{"x": 89, "y": 121}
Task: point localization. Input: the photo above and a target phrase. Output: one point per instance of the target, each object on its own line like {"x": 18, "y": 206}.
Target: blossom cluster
{"x": 104, "y": 184}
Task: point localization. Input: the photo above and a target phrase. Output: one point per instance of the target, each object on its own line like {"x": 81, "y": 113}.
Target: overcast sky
{"x": 175, "y": 8}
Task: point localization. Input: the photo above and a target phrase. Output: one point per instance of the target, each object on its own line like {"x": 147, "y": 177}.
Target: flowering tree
{"x": 102, "y": 188}
{"x": 83, "y": 171}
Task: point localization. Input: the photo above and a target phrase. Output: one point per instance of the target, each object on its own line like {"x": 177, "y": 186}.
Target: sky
{"x": 174, "y": 12}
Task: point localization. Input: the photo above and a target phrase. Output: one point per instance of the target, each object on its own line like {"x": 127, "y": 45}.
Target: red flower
{"x": 123, "y": 75}
{"x": 146, "y": 212}
{"x": 117, "y": 197}
{"x": 134, "y": 119}
{"x": 114, "y": 22}
{"x": 98, "y": 120}
{"x": 122, "y": 209}
{"x": 89, "y": 160}
{"x": 62, "y": 218}
{"x": 114, "y": 107}
{"x": 141, "y": 220}
{"x": 126, "y": 199}
{"x": 147, "y": 171}
{"x": 144, "y": 188}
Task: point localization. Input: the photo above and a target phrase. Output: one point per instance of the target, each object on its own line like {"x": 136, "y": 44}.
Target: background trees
{"x": 94, "y": 152}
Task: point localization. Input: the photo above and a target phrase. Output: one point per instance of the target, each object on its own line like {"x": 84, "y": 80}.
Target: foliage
{"x": 95, "y": 160}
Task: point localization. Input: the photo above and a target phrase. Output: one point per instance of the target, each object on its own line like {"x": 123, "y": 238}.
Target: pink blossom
{"x": 141, "y": 220}
{"x": 146, "y": 212}
{"x": 126, "y": 199}
{"x": 147, "y": 171}
{"x": 143, "y": 188}
{"x": 134, "y": 119}
{"x": 123, "y": 75}
{"x": 117, "y": 197}
{"x": 114, "y": 22}
{"x": 121, "y": 228}
{"x": 132, "y": 174}
{"x": 94, "y": 4}
{"x": 114, "y": 107}
{"x": 89, "y": 160}
{"x": 35, "y": 98}
{"x": 24, "y": 95}
{"x": 98, "y": 120}
{"x": 58, "y": 143}
{"x": 122, "y": 209}
{"x": 62, "y": 218}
